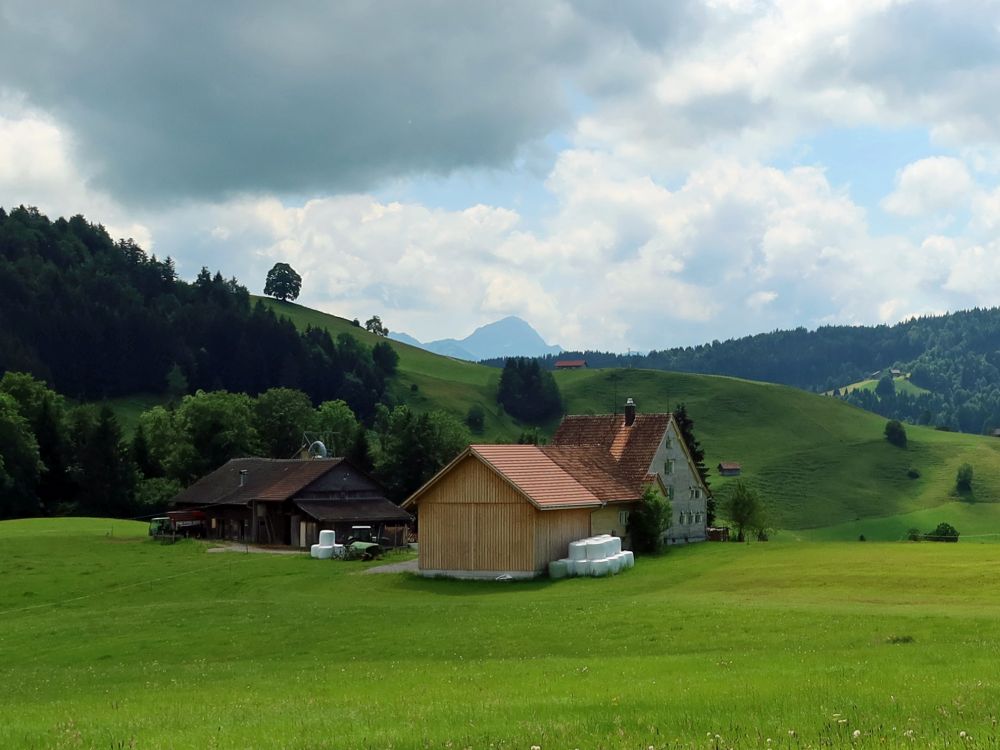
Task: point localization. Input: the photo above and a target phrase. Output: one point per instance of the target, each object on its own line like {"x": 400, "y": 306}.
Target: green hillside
{"x": 441, "y": 382}
{"x": 817, "y": 461}
{"x": 902, "y": 383}
{"x": 111, "y": 640}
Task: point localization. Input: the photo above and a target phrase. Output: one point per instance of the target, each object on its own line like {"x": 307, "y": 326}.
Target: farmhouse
{"x": 511, "y": 509}
{"x": 272, "y": 501}
{"x": 571, "y": 364}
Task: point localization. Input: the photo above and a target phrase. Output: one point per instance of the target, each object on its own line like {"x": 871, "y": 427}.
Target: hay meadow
{"x": 110, "y": 640}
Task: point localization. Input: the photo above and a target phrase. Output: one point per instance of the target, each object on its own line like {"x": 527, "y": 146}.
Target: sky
{"x": 628, "y": 175}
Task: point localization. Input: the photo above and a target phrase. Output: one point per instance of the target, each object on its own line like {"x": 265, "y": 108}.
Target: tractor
{"x": 362, "y": 544}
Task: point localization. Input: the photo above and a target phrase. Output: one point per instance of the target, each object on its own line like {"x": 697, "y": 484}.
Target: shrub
{"x": 944, "y": 532}
{"x": 895, "y": 433}
{"x": 861, "y": 538}
{"x": 913, "y": 473}
{"x": 475, "y": 418}
{"x": 963, "y": 479}
{"x": 649, "y": 521}
{"x": 914, "y": 535}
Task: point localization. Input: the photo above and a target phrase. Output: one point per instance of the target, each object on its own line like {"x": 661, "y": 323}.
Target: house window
{"x": 696, "y": 493}
{"x": 623, "y": 518}
{"x": 668, "y": 467}
{"x": 670, "y": 492}
{"x": 668, "y": 443}
{"x": 697, "y": 518}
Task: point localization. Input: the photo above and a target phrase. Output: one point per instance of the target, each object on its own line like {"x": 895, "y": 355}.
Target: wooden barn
{"x": 287, "y": 502}
{"x": 510, "y": 509}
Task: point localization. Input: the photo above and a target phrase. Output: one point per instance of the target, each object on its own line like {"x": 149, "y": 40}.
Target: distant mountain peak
{"x": 510, "y": 336}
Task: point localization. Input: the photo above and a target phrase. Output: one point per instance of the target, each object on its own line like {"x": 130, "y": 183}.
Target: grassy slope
{"x": 818, "y": 461}
{"x": 442, "y": 382}
{"x": 116, "y": 641}
{"x": 903, "y": 385}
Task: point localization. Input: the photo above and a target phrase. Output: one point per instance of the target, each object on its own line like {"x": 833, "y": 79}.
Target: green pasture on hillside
{"x": 817, "y": 461}
{"x": 426, "y": 380}
{"x": 902, "y": 384}
{"x": 110, "y": 640}
{"x": 977, "y": 523}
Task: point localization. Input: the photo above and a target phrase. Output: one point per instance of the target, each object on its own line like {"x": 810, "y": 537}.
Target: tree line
{"x": 61, "y": 459}
{"x": 98, "y": 319}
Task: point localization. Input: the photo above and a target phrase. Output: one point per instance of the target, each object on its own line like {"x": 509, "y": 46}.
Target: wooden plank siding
{"x": 555, "y": 529}
{"x": 473, "y": 520}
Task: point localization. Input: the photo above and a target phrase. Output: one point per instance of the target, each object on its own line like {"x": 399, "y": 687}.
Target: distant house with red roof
{"x": 512, "y": 509}
{"x": 571, "y": 364}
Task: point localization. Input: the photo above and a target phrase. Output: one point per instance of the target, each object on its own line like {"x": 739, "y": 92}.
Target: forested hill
{"x": 97, "y": 319}
{"x": 956, "y": 357}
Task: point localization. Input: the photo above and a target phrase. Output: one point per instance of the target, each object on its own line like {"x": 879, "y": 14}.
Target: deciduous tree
{"x": 282, "y": 282}
{"x": 282, "y": 416}
{"x": 743, "y": 507}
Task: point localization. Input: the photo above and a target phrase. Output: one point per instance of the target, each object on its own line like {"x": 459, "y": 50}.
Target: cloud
{"x": 202, "y": 101}
{"x": 930, "y": 186}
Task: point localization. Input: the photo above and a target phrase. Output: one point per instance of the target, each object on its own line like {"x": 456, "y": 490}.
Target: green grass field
{"x": 818, "y": 462}
{"x": 109, "y": 640}
{"x": 902, "y": 383}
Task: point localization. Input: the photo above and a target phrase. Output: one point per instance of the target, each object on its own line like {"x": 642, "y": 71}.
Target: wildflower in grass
{"x": 963, "y": 735}
{"x": 536, "y": 747}
{"x": 856, "y": 733}
{"x": 791, "y": 733}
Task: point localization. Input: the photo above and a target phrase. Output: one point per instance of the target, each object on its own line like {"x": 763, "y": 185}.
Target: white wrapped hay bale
{"x": 324, "y": 552}
{"x": 327, "y": 538}
{"x": 582, "y": 567}
{"x": 629, "y": 558}
{"x": 600, "y": 568}
{"x": 314, "y": 551}
{"x": 578, "y": 550}
{"x": 615, "y": 545}
{"x": 596, "y": 549}
{"x": 558, "y": 569}
{"x": 617, "y": 563}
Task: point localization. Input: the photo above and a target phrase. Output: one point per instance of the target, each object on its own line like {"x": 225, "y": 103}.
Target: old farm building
{"x": 272, "y": 501}
{"x": 512, "y": 509}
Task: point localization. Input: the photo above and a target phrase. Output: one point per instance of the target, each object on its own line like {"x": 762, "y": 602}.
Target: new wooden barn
{"x": 287, "y": 502}
{"x": 511, "y": 509}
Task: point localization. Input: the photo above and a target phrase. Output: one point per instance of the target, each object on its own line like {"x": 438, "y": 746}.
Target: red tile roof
{"x": 537, "y": 475}
{"x": 729, "y": 466}
{"x": 631, "y": 446}
{"x": 571, "y": 363}
{"x": 593, "y": 460}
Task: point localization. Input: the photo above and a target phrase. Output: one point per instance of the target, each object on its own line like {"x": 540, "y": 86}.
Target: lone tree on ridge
{"x": 283, "y": 282}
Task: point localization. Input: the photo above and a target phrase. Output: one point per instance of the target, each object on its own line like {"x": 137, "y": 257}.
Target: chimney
{"x": 243, "y": 477}
{"x": 629, "y": 412}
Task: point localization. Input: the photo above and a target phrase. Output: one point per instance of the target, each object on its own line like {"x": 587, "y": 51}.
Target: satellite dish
{"x": 317, "y": 449}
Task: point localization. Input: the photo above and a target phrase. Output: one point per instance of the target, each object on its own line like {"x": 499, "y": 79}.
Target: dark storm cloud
{"x": 204, "y": 100}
